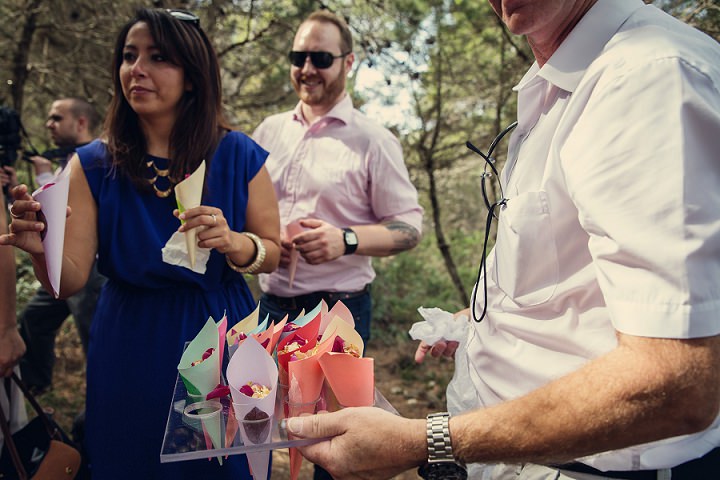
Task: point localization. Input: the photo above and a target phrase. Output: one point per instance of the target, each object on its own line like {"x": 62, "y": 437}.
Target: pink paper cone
{"x": 231, "y": 428}
{"x": 291, "y": 230}
{"x": 277, "y": 331}
{"x": 264, "y": 335}
{"x": 338, "y": 310}
{"x": 295, "y": 463}
{"x": 352, "y": 379}
{"x": 222, "y": 331}
{"x": 308, "y": 375}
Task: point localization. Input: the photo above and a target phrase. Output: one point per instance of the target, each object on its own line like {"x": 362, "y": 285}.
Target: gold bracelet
{"x": 257, "y": 261}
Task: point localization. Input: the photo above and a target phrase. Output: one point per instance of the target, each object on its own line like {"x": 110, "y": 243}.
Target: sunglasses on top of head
{"x": 184, "y": 16}
{"x": 321, "y": 60}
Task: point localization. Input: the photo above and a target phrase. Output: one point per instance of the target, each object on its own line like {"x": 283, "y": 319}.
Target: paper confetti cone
{"x": 352, "y": 379}
{"x": 53, "y": 198}
{"x": 188, "y": 194}
{"x": 203, "y": 377}
{"x": 254, "y": 415}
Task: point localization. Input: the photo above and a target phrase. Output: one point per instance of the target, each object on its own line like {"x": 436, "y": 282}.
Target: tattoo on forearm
{"x": 404, "y": 236}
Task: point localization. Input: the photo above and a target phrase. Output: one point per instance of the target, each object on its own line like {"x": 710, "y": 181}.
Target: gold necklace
{"x": 162, "y": 193}
{"x": 159, "y": 173}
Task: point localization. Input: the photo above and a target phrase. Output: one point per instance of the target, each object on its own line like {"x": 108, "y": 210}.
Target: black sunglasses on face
{"x": 184, "y": 16}
{"x": 321, "y": 60}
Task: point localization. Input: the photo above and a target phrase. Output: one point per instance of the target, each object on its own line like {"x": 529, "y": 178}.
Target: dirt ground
{"x": 413, "y": 390}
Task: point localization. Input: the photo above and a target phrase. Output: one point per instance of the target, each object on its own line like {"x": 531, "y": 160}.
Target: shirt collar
{"x": 568, "y": 64}
{"x": 342, "y": 111}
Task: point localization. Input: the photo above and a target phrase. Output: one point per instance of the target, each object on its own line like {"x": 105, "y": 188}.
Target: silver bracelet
{"x": 257, "y": 261}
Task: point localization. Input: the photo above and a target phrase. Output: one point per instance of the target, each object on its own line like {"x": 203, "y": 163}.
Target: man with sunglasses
{"x": 597, "y": 352}
{"x": 343, "y": 190}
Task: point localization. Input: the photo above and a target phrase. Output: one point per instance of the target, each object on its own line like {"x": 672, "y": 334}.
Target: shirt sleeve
{"x": 392, "y": 194}
{"x": 641, "y": 164}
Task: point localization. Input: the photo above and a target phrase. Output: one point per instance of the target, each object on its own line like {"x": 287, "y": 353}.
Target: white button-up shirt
{"x": 613, "y": 217}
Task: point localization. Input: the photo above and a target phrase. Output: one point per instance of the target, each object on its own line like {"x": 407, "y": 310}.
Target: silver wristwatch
{"x": 441, "y": 462}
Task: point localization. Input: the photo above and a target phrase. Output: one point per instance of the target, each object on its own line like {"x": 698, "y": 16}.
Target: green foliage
{"x": 419, "y": 278}
{"x": 27, "y": 284}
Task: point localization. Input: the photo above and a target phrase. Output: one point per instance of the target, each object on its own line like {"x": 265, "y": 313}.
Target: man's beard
{"x": 326, "y": 95}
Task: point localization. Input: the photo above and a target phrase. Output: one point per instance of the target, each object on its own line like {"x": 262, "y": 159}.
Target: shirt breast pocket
{"x": 526, "y": 260}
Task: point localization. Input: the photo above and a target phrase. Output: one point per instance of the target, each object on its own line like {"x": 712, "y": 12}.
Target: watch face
{"x": 351, "y": 238}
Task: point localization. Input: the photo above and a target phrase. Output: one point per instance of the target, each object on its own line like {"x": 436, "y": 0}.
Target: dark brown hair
{"x": 200, "y": 122}
{"x": 80, "y": 107}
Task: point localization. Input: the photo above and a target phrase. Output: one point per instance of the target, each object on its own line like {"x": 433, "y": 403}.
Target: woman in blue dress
{"x": 164, "y": 119}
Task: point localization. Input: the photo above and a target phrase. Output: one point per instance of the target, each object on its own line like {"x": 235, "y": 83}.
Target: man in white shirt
{"x": 599, "y": 352}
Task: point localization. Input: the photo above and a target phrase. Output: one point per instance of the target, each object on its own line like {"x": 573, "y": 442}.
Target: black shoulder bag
{"x": 38, "y": 451}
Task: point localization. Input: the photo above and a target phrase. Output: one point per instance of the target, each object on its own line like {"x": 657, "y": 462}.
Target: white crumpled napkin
{"x": 175, "y": 253}
{"x": 439, "y": 325}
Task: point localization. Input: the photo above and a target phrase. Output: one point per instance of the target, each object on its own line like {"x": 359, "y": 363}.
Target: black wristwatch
{"x": 351, "y": 241}
{"x": 441, "y": 463}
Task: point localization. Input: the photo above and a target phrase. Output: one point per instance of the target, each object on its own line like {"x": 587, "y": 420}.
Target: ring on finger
{"x": 13, "y": 214}
{"x": 214, "y": 219}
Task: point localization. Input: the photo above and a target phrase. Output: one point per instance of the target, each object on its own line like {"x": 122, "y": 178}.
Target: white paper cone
{"x": 53, "y": 197}
{"x": 189, "y": 195}
{"x": 259, "y": 462}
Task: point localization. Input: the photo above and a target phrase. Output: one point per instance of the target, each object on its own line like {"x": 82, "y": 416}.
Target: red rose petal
{"x": 219, "y": 392}
{"x": 338, "y": 345}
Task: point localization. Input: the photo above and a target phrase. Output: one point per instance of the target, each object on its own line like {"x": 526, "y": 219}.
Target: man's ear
{"x": 349, "y": 60}
{"x": 82, "y": 123}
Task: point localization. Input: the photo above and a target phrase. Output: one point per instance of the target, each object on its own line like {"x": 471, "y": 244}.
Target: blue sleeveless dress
{"x": 148, "y": 310}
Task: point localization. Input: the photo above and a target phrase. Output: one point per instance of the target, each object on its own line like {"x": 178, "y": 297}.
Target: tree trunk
{"x": 443, "y": 245}
{"x": 20, "y": 58}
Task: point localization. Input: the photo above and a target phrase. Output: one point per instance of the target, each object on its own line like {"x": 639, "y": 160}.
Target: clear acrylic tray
{"x": 185, "y": 437}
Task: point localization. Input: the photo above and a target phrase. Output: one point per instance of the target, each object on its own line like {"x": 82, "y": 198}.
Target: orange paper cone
{"x": 352, "y": 379}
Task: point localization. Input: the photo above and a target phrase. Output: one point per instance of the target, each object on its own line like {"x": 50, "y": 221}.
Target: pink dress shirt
{"x": 344, "y": 169}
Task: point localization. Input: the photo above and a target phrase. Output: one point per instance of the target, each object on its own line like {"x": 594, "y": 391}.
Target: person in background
{"x": 164, "y": 119}
{"x": 597, "y": 354}
{"x": 72, "y": 122}
{"x": 341, "y": 176}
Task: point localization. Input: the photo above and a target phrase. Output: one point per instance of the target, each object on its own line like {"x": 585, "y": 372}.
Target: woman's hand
{"x": 26, "y": 225}
{"x": 212, "y": 228}
{"x": 286, "y": 248}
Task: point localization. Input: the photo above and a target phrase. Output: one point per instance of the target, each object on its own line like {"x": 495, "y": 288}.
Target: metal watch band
{"x": 438, "y": 437}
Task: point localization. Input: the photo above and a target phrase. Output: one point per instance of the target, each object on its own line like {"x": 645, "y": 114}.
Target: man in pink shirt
{"x": 340, "y": 180}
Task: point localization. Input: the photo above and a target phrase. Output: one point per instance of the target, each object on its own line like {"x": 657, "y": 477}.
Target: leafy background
{"x": 441, "y": 71}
